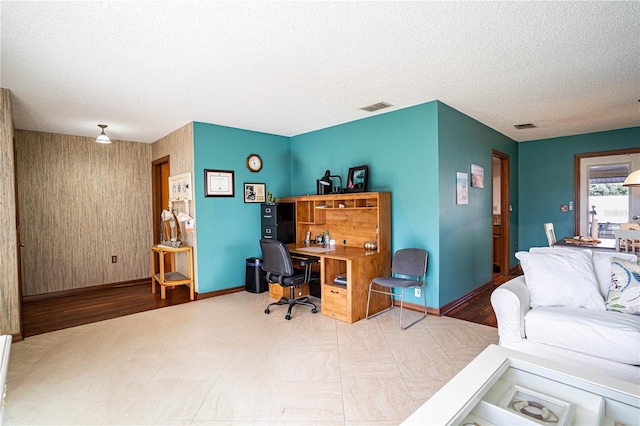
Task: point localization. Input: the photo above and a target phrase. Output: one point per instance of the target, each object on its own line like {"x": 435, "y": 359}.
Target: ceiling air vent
{"x": 376, "y": 107}
{"x": 525, "y": 126}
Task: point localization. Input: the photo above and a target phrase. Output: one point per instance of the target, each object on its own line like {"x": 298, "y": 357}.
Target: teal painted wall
{"x": 401, "y": 150}
{"x": 228, "y": 229}
{"x": 546, "y": 179}
{"x": 414, "y": 153}
{"x": 466, "y": 230}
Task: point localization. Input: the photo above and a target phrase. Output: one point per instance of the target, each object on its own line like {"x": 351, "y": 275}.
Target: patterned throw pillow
{"x": 624, "y": 293}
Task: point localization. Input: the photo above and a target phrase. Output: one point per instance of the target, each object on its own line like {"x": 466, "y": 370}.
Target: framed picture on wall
{"x": 477, "y": 176}
{"x": 180, "y": 187}
{"x": 254, "y": 192}
{"x": 462, "y": 188}
{"x": 218, "y": 183}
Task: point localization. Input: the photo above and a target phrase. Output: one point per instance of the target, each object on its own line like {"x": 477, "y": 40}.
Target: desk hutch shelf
{"x": 352, "y": 220}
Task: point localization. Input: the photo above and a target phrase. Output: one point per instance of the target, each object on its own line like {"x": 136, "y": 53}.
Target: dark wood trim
{"x": 83, "y": 290}
{"x": 505, "y": 209}
{"x": 156, "y": 194}
{"x": 576, "y": 178}
{"x": 18, "y": 238}
{"x": 418, "y": 308}
{"x": 219, "y": 292}
{"x": 465, "y": 298}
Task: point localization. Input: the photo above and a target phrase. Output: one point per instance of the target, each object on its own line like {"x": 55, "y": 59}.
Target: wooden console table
{"x": 352, "y": 220}
{"x": 170, "y": 279}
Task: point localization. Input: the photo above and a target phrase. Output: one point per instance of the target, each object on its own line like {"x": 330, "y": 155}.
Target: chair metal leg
{"x": 367, "y": 316}
{"x": 424, "y": 295}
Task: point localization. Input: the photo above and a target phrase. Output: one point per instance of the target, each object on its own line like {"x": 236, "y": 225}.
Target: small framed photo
{"x": 218, "y": 183}
{"x": 462, "y": 188}
{"x": 477, "y": 176}
{"x": 255, "y": 193}
{"x": 180, "y": 187}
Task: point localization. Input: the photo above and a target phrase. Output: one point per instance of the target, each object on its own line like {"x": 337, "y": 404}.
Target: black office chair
{"x": 277, "y": 263}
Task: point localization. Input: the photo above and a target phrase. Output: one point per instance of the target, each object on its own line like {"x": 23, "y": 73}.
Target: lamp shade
{"x": 633, "y": 179}
{"x": 102, "y": 137}
{"x": 326, "y": 179}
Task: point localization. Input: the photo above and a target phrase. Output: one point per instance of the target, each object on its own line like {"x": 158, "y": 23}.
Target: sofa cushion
{"x": 624, "y": 293}
{"x": 603, "y": 334}
{"x": 602, "y": 266}
{"x": 601, "y": 263}
{"x": 561, "y": 279}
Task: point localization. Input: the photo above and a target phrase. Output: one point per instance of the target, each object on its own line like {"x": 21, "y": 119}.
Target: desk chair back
{"x": 276, "y": 258}
{"x": 550, "y": 233}
{"x": 408, "y": 270}
{"x": 627, "y": 240}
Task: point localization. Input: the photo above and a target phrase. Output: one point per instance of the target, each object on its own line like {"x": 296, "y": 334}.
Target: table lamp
{"x": 324, "y": 184}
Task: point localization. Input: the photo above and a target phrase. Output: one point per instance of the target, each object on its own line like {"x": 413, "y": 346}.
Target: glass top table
{"x": 506, "y": 387}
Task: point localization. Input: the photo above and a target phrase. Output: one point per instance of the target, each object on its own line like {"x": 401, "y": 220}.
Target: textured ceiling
{"x": 147, "y": 68}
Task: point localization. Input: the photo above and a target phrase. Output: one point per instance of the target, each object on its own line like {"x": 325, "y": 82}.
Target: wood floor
{"x": 97, "y": 305}
{"x": 55, "y": 314}
{"x": 478, "y": 309}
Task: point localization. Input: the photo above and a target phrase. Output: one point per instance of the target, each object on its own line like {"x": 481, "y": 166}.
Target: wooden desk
{"x": 348, "y": 303}
{"x": 170, "y": 279}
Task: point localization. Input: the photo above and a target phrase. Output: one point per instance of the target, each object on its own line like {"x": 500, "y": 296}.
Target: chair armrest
{"x": 304, "y": 261}
{"x": 510, "y": 303}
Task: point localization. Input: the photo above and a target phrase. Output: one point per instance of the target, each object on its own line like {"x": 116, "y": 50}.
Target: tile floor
{"x": 222, "y": 361}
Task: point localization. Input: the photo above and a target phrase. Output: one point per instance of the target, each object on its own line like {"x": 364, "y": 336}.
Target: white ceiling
{"x": 148, "y": 68}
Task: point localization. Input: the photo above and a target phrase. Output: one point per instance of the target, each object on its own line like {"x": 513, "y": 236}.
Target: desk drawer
{"x": 276, "y": 291}
{"x": 334, "y": 302}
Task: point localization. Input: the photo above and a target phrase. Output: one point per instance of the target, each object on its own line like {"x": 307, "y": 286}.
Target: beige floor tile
{"x": 222, "y": 361}
{"x": 376, "y": 400}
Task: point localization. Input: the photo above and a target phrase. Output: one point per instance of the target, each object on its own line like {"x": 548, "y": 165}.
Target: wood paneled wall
{"x": 81, "y": 203}
{"x": 178, "y": 145}
{"x": 9, "y": 286}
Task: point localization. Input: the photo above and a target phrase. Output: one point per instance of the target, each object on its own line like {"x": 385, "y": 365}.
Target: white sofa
{"x": 593, "y": 337}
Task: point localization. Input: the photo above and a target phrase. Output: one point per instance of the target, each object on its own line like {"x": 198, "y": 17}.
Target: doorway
{"x": 602, "y": 203}
{"x": 160, "y": 171}
{"x": 501, "y": 211}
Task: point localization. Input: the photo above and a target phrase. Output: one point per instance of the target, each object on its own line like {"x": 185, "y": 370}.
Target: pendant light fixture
{"x": 633, "y": 179}
{"x": 102, "y": 137}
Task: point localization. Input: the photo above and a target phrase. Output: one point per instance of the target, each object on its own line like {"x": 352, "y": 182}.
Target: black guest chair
{"x": 277, "y": 263}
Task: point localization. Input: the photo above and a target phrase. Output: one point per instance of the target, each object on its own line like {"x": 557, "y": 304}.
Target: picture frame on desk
{"x": 254, "y": 192}
{"x": 218, "y": 183}
{"x": 357, "y": 179}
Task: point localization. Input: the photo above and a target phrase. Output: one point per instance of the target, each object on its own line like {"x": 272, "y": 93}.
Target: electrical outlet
{"x": 114, "y": 259}
{"x": 418, "y": 292}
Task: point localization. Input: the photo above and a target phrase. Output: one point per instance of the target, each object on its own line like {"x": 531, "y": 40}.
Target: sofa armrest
{"x": 510, "y": 303}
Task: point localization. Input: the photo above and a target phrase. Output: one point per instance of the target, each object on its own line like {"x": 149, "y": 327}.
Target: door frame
{"x": 156, "y": 193}
{"x": 505, "y": 210}
{"x": 19, "y": 244}
{"x": 576, "y": 178}
{"x": 158, "y": 205}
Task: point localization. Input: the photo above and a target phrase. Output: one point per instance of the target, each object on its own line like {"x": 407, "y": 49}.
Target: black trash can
{"x": 256, "y": 281}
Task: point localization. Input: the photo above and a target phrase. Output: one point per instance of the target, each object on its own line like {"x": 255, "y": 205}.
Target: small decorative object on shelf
{"x": 272, "y": 198}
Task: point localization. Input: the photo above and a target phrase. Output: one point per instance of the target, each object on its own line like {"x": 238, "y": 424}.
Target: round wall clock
{"x": 254, "y": 163}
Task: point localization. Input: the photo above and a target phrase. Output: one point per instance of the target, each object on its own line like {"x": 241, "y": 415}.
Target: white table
{"x": 482, "y": 393}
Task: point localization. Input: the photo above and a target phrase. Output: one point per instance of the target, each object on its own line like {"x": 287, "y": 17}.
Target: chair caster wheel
{"x": 266, "y": 311}
{"x": 287, "y": 317}
{"x": 314, "y": 311}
